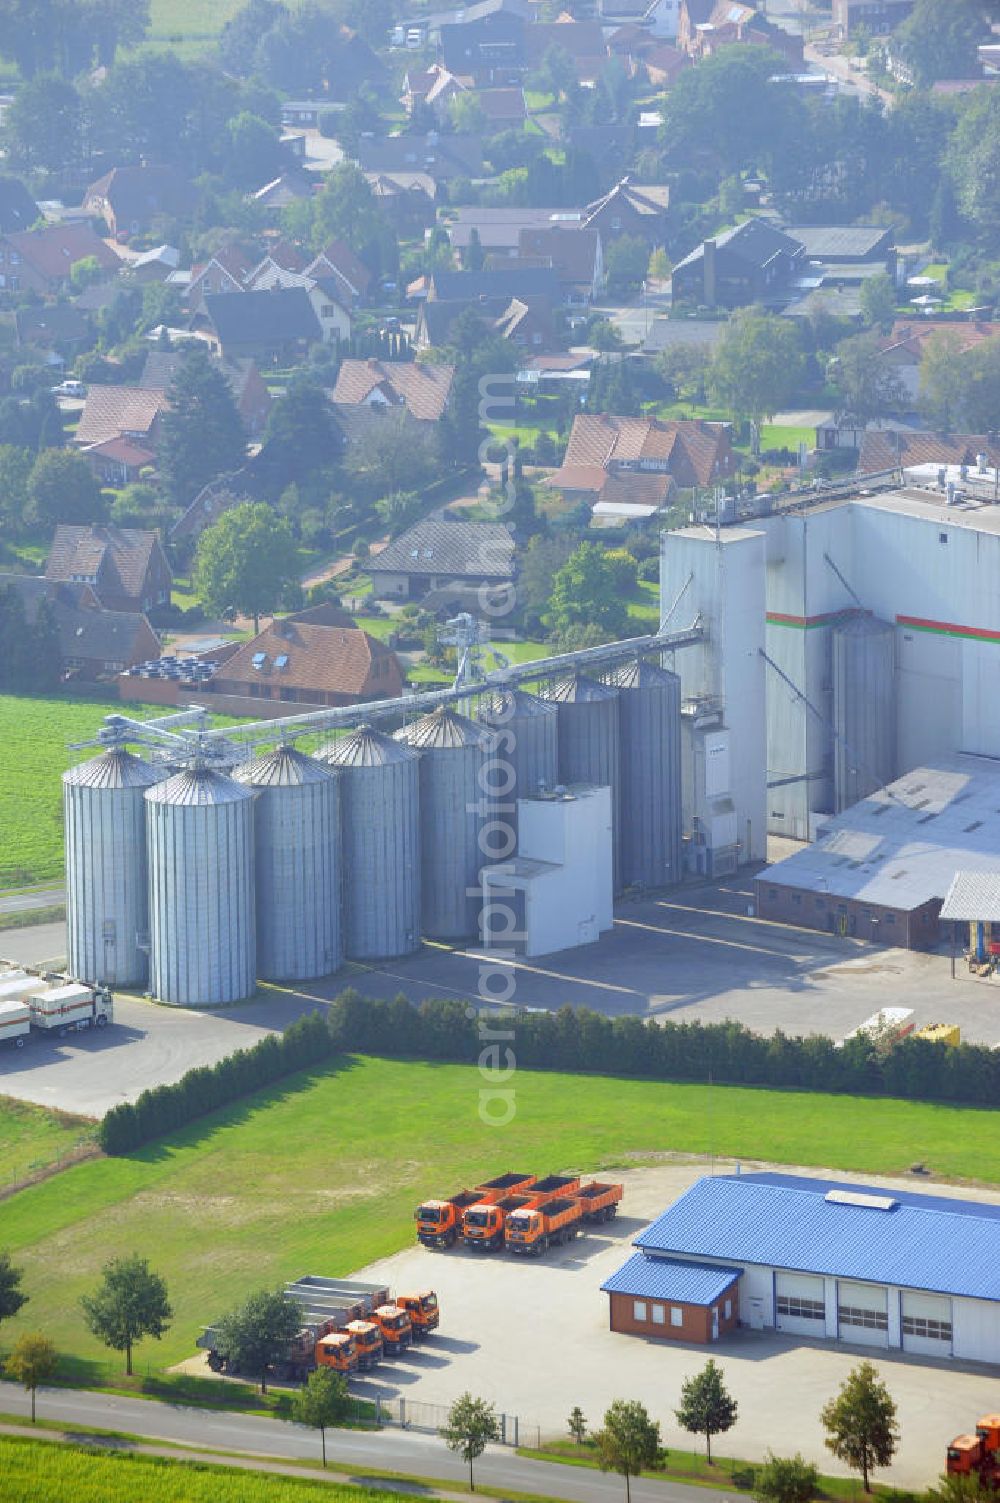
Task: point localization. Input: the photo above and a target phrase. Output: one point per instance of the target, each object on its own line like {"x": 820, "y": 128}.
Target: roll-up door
{"x": 862, "y": 1313}
{"x": 799, "y": 1304}
{"x": 926, "y": 1324}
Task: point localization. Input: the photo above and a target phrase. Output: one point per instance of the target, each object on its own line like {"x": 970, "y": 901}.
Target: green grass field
{"x": 188, "y": 26}
{"x": 34, "y": 734}
{"x": 31, "y": 1138}
{"x": 33, "y": 1469}
{"x": 322, "y": 1174}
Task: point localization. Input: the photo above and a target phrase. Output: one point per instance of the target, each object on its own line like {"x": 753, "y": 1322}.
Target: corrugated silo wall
{"x": 589, "y": 753}
{"x": 864, "y": 708}
{"x": 298, "y": 867}
{"x": 106, "y": 885}
{"x": 201, "y": 899}
{"x": 650, "y": 730}
{"x": 380, "y": 825}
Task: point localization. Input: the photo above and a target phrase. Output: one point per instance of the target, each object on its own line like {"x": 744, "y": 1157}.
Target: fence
{"x": 413, "y": 1414}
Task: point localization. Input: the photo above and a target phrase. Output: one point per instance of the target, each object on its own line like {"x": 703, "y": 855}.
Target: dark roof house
{"x": 130, "y": 199}
{"x": 438, "y": 156}
{"x": 270, "y": 326}
{"x": 92, "y": 641}
{"x": 630, "y": 209}
{"x": 753, "y": 263}
{"x": 127, "y": 569}
{"x": 435, "y": 553}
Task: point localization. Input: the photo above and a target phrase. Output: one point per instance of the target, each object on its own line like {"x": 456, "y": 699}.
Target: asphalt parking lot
{"x": 507, "y": 1326}
{"x": 694, "y": 953}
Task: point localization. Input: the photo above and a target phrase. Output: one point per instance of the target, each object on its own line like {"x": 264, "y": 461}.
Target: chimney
{"x": 708, "y": 273}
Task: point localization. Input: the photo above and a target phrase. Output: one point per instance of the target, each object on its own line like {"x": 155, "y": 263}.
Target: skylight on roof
{"x": 860, "y": 1199}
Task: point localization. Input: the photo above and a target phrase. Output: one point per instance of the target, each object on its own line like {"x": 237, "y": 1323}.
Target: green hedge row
{"x": 203, "y": 1090}
{"x": 578, "y": 1040}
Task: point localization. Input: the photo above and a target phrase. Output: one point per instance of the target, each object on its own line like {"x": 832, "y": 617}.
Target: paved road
{"x": 421, "y": 1455}
{"x": 40, "y": 897}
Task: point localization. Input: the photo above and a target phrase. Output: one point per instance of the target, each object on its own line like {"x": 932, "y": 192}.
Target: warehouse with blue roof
{"x": 817, "y": 1258}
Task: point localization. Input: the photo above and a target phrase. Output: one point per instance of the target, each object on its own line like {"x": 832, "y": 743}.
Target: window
{"x": 800, "y": 1309}
{"x": 797, "y": 899}
{"x": 638, "y": 1309}
{"x": 727, "y": 1310}
{"x": 942, "y": 537}
{"x": 676, "y": 1315}
{"x": 930, "y": 1330}
{"x": 659, "y": 1315}
{"x": 772, "y": 892}
{"x": 868, "y": 1320}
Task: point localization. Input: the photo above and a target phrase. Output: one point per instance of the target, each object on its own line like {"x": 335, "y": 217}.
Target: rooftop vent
{"x": 859, "y": 1199}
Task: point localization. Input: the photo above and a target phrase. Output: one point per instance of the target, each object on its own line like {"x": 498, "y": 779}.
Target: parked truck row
{"x": 517, "y": 1211}
{"x": 346, "y": 1325}
{"x": 977, "y": 1456}
{"x": 49, "y": 1002}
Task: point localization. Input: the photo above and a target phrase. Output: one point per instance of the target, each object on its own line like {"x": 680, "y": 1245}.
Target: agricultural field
{"x": 31, "y": 1138}
{"x": 33, "y": 1469}
{"x": 189, "y": 27}
{"x": 34, "y": 734}
{"x": 321, "y": 1174}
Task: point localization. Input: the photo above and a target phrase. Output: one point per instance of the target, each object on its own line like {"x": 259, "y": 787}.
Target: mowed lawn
{"x": 34, "y": 734}
{"x": 322, "y": 1175}
{"x": 33, "y": 1469}
{"x": 191, "y": 20}
{"x": 31, "y": 1138}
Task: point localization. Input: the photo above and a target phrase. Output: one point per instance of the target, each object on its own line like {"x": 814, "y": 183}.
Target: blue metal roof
{"x": 668, "y": 1279}
{"x": 781, "y": 1221}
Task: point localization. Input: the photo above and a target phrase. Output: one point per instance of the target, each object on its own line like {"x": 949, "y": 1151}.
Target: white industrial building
{"x": 847, "y": 641}
{"x": 557, "y": 891}
{"x": 826, "y": 1260}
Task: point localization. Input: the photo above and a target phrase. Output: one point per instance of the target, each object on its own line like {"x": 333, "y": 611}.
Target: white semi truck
{"x": 49, "y": 1003}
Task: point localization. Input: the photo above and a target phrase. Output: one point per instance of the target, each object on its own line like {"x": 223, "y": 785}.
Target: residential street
{"x": 421, "y": 1455}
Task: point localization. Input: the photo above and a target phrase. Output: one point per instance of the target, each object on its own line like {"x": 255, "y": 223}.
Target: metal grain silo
{"x": 380, "y": 843}
{"x": 526, "y": 745}
{"x": 649, "y": 724}
{"x": 453, "y": 794}
{"x": 864, "y": 708}
{"x": 107, "y": 917}
{"x": 589, "y": 743}
{"x": 199, "y": 831}
{"x": 297, "y": 864}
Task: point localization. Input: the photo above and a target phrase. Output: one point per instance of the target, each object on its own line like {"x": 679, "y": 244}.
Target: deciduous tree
{"x": 706, "y": 1407}
{"x": 62, "y": 488}
{"x": 31, "y": 1363}
{"x": 472, "y": 1424}
{"x": 577, "y": 1424}
{"x": 321, "y": 1402}
{"x": 129, "y": 1303}
{"x": 257, "y": 1333}
{"x": 246, "y": 561}
{"x": 757, "y": 366}
{"x": 585, "y": 591}
{"x": 860, "y": 1422}
{"x": 940, "y": 41}
{"x": 629, "y": 1441}
{"x": 867, "y": 386}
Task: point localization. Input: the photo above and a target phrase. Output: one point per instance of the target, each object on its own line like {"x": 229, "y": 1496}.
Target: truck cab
{"x": 965, "y": 1455}
{"x": 395, "y": 1328}
{"x": 439, "y": 1221}
{"x": 337, "y": 1351}
{"x": 367, "y": 1339}
{"x": 423, "y": 1310}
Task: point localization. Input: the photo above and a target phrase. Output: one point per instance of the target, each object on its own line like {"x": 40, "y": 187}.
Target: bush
{"x": 786, "y": 1479}
{"x": 649, "y": 570}
{"x": 576, "y": 1039}
{"x": 743, "y": 1477}
{"x": 203, "y": 1090}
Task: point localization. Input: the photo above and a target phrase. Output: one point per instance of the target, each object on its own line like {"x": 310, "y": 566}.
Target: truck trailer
{"x": 50, "y": 1004}
{"x": 598, "y": 1201}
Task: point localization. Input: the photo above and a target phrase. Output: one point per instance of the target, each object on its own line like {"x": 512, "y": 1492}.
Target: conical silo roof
{"x": 443, "y": 729}
{"x": 115, "y": 768}
{"x": 284, "y": 767}
{"x": 364, "y": 747}
{"x": 638, "y": 674}
{"x": 579, "y": 689}
{"x": 198, "y": 785}
{"x": 510, "y": 704}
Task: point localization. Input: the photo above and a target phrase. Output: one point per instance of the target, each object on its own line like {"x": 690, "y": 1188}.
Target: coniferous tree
{"x": 202, "y": 432}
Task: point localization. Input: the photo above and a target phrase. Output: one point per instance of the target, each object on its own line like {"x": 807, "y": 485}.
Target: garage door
{"x": 927, "y": 1324}
{"x": 862, "y": 1313}
{"x": 799, "y": 1304}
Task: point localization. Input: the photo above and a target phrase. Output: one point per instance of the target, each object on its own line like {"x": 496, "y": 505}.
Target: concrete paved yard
{"x": 533, "y": 1337}
{"x": 695, "y": 953}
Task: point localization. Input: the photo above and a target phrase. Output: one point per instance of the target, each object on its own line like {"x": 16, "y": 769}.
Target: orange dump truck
{"x": 367, "y": 1338}
{"x": 423, "y": 1310}
{"x": 978, "y": 1455}
{"x": 599, "y": 1201}
{"x": 483, "y": 1224}
{"x": 337, "y": 1351}
{"x": 531, "y": 1231}
{"x": 394, "y": 1327}
{"x": 439, "y": 1222}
